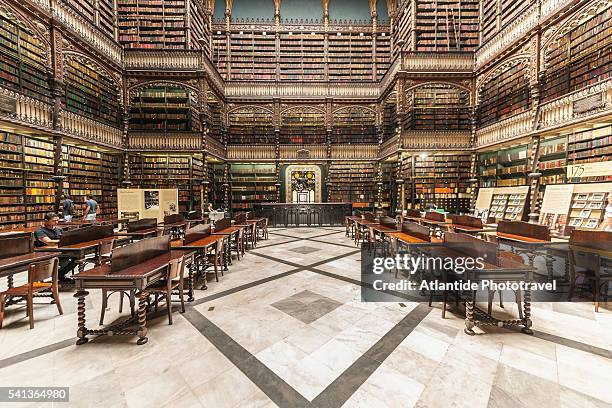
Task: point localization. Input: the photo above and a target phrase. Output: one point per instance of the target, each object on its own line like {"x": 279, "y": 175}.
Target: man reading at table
{"x": 49, "y": 235}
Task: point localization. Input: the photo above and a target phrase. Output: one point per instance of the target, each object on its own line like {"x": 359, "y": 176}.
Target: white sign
{"x": 590, "y": 169}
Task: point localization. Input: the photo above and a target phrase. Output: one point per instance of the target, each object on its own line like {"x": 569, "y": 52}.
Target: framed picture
{"x": 596, "y": 205}
{"x": 517, "y": 210}
{"x": 597, "y": 197}
{"x": 514, "y": 196}
{"x": 512, "y": 216}
{"x": 510, "y": 209}
{"x": 579, "y": 204}
{"x": 581, "y": 197}
{"x": 592, "y": 223}
{"x": 585, "y": 214}
{"x": 575, "y": 222}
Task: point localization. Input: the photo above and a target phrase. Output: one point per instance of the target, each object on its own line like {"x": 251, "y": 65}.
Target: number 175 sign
{"x": 590, "y": 170}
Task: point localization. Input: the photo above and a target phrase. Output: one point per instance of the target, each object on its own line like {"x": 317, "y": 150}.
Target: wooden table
{"x": 511, "y": 272}
{"x": 532, "y": 248}
{"x": 137, "y": 277}
{"x": 469, "y": 229}
{"x": 20, "y": 263}
{"x": 78, "y": 252}
{"x": 139, "y": 234}
{"x": 201, "y": 246}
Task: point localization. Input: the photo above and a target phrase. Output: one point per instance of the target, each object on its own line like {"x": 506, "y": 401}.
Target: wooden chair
{"x": 174, "y": 281}
{"x": 590, "y": 257}
{"x": 38, "y": 275}
{"x": 103, "y": 255}
{"x": 264, "y": 229}
{"x": 216, "y": 258}
{"x": 502, "y": 257}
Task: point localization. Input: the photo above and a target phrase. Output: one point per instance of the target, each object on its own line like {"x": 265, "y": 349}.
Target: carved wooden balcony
{"x": 436, "y": 139}
{"x": 21, "y": 109}
{"x": 81, "y": 127}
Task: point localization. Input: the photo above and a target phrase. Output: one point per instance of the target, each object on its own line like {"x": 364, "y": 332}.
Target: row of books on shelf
{"x": 600, "y": 151}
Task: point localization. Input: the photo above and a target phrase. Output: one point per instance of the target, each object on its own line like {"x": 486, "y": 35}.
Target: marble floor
{"x": 286, "y": 327}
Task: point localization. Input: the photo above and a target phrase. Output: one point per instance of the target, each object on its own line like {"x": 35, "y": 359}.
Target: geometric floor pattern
{"x": 306, "y": 306}
{"x": 286, "y": 327}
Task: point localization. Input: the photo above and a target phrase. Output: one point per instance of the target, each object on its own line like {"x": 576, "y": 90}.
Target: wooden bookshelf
{"x": 214, "y": 118}
{"x": 90, "y": 171}
{"x": 388, "y": 188}
{"x": 350, "y": 56}
{"x": 12, "y": 181}
{"x": 90, "y": 92}
{"x": 438, "y": 107}
{"x": 352, "y": 182}
{"x": 580, "y": 58}
{"x": 302, "y": 55}
{"x": 220, "y": 50}
{"x": 590, "y": 146}
{"x": 354, "y": 125}
{"x": 252, "y": 184}
{"x": 27, "y": 190}
{"x": 104, "y": 9}
{"x": 164, "y": 108}
{"x": 402, "y": 32}
{"x": 253, "y": 55}
{"x": 23, "y": 63}
{"x": 305, "y": 52}
{"x": 303, "y": 126}
{"x": 251, "y": 126}
{"x": 383, "y": 54}
{"x": 447, "y": 25}
{"x": 199, "y": 28}
{"x": 390, "y": 119}
{"x": 504, "y": 168}
{"x": 504, "y": 95}
{"x": 181, "y": 172}
{"x": 440, "y": 181}
{"x": 489, "y": 24}
{"x": 216, "y": 188}
{"x": 152, "y": 23}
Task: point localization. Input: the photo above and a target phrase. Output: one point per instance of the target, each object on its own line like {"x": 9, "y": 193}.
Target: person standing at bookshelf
{"x": 68, "y": 208}
{"x": 91, "y": 208}
{"x": 49, "y": 235}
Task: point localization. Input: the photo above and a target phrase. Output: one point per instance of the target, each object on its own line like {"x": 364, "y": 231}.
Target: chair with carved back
{"x": 42, "y": 276}
{"x": 175, "y": 280}
{"x": 590, "y": 257}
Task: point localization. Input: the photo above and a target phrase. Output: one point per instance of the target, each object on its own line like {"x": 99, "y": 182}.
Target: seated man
{"x": 49, "y": 235}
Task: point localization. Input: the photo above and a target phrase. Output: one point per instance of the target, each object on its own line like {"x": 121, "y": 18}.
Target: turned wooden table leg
{"x": 142, "y": 317}
{"x": 190, "y": 283}
{"x": 469, "y": 314}
{"x": 549, "y": 267}
{"x": 527, "y": 312}
{"x": 9, "y": 281}
{"x": 82, "y": 329}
